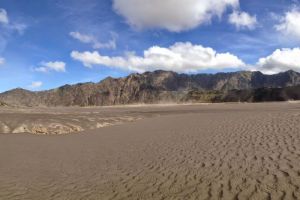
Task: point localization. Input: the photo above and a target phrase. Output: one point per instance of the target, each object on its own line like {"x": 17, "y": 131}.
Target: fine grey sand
{"x": 217, "y": 151}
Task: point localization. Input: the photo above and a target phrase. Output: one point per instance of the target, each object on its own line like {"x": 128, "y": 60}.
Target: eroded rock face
{"x": 149, "y": 87}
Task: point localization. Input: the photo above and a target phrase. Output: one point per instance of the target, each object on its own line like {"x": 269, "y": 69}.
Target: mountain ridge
{"x": 149, "y": 87}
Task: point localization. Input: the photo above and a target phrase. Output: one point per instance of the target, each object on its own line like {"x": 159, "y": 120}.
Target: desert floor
{"x": 217, "y": 151}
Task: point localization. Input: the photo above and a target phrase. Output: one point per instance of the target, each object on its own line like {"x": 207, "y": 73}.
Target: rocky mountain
{"x": 153, "y": 87}
{"x": 246, "y": 95}
{"x": 262, "y": 95}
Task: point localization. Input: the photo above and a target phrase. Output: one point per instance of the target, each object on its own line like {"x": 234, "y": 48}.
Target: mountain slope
{"x": 246, "y": 95}
{"x": 150, "y": 87}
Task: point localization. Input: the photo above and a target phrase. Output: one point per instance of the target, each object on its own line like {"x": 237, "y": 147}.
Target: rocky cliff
{"x": 153, "y": 87}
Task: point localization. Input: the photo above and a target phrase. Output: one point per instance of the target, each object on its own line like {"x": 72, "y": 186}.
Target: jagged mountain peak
{"x": 148, "y": 87}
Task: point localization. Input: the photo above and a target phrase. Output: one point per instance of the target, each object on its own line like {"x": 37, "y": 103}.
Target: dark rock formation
{"x": 162, "y": 86}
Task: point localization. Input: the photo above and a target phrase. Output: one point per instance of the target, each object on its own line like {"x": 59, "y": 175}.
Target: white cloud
{"x": 279, "y": 61}
{"x": 89, "y": 39}
{"x": 57, "y": 66}
{"x": 290, "y": 23}
{"x": 173, "y": 15}
{"x": 242, "y": 20}
{"x": 3, "y": 16}
{"x": 2, "y": 61}
{"x": 19, "y": 27}
{"x": 11, "y": 26}
{"x": 35, "y": 84}
{"x": 82, "y": 38}
{"x": 180, "y": 57}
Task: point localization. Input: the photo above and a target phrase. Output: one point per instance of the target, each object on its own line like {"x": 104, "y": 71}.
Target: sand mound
{"x": 49, "y": 121}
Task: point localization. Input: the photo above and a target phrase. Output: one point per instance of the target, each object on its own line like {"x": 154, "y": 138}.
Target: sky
{"x": 48, "y": 43}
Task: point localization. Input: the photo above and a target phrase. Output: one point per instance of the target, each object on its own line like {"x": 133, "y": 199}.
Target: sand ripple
{"x": 220, "y": 152}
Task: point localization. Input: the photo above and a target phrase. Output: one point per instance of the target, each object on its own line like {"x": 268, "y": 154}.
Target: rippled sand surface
{"x": 220, "y": 151}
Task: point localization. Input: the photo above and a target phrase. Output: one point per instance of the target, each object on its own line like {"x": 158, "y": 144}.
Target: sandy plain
{"x": 216, "y": 151}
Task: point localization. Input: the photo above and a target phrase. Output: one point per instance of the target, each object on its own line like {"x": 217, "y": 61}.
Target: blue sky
{"x": 48, "y": 43}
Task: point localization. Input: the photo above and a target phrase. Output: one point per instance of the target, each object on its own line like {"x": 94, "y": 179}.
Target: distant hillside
{"x": 247, "y": 95}
{"x": 164, "y": 86}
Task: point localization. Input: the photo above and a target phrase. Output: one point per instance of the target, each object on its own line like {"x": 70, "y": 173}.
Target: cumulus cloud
{"x": 3, "y": 16}
{"x": 180, "y": 57}
{"x": 89, "y": 39}
{"x": 173, "y": 15}
{"x": 289, "y": 23}
{"x": 35, "y": 84}
{"x": 2, "y": 61}
{"x": 242, "y": 20}
{"x": 57, "y": 66}
{"x": 279, "y": 61}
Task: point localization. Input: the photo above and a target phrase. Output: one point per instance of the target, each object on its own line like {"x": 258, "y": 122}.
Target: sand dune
{"x": 219, "y": 151}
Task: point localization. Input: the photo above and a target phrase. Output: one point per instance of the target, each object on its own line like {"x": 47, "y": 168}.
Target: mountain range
{"x": 165, "y": 87}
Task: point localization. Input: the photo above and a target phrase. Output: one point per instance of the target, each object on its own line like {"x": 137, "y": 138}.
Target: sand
{"x": 218, "y": 151}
